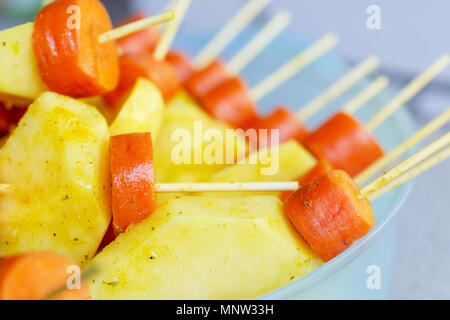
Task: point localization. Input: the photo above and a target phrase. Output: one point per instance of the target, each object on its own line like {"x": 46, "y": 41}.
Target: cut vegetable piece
{"x": 280, "y": 163}
{"x": 181, "y": 118}
{"x": 101, "y": 106}
{"x": 70, "y": 58}
{"x": 329, "y": 215}
{"x": 61, "y": 200}
{"x": 133, "y": 179}
{"x": 231, "y": 103}
{"x": 322, "y": 167}
{"x": 204, "y": 80}
{"x": 161, "y": 73}
{"x": 36, "y": 275}
{"x": 142, "y": 112}
{"x": 287, "y": 124}
{"x": 182, "y": 64}
{"x": 20, "y": 82}
{"x": 204, "y": 248}
{"x": 141, "y": 41}
{"x": 345, "y": 143}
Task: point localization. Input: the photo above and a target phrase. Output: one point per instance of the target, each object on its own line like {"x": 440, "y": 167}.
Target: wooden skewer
{"x": 345, "y": 83}
{"x": 213, "y": 187}
{"x": 414, "y": 172}
{"x": 234, "y": 26}
{"x": 133, "y": 27}
{"x": 292, "y": 67}
{"x": 404, "y": 166}
{"x": 226, "y": 187}
{"x": 377, "y": 86}
{"x": 169, "y": 34}
{"x": 272, "y": 29}
{"x": 409, "y": 92}
{"x": 395, "y": 154}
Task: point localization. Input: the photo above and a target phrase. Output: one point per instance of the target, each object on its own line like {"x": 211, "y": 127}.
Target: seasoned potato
{"x": 182, "y": 114}
{"x": 286, "y": 162}
{"x": 142, "y": 111}
{"x": 57, "y": 162}
{"x": 204, "y": 248}
{"x": 20, "y": 81}
{"x": 102, "y": 106}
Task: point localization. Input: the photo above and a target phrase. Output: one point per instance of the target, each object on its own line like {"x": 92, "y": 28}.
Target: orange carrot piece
{"x": 346, "y": 143}
{"x": 141, "y": 41}
{"x": 204, "y": 80}
{"x": 133, "y": 179}
{"x": 182, "y": 64}
{"x": 36, "y": 275}
{"x": 283, "y": 120}
{"x": 230, "y": 102}
{"x": 70, "y": 59}
{"x": 143, "y": 65}
{"x": 328, "y": 213}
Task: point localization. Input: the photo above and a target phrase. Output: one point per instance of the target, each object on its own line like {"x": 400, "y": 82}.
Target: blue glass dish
{"x": 346, "y": 276}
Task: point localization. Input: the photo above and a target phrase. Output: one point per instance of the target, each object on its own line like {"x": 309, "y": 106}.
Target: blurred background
{"x": 413, "y": 34}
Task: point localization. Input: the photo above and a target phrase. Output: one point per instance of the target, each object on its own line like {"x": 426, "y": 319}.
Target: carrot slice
{"x": 182, "y": 64}
{"x": 285, "y": 121}
{"x": 322, "y": 166}
{"x": 133, "y": 179}
{"x": 204, "y": 80}
{"x": 230, "y": 102}
{"x": 70, "y": 59}
{"x": 328, "y": 213}
{"x": 161, "y": 73}
{"x": 36, "y": 275}
{"x": 346, "y": 143}
{"x": 141, "y": 41}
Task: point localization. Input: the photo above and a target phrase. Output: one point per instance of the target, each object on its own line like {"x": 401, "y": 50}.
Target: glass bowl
{"x": 346, "y": 276}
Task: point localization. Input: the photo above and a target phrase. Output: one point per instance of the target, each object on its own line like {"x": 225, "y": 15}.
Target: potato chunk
{"x": 204, "y": 248}
{"x": 286, "y": 162}
{"x": 57, "y": 161}
{"x": 20, "y": 81}
{"x": 142, "y": 111}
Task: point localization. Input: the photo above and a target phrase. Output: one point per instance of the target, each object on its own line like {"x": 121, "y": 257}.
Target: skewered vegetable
{"x": 133, "y": 179}
{"x": 204, "y": 248}
{"x": 143, "y": 65}
{"x": 71, "y": 60}
{"x": 142, "y": 41}
{"x": 143, "y": 111}
{"x": 182, "y": 64}
{"x": 17, "y": 60}
{"x": 345, "y": 143}
{"x": 36, "y": 275}
{"x": 61, "y": 199}
{"x": 328, "y": 213}
{"x": 279, "y": 163}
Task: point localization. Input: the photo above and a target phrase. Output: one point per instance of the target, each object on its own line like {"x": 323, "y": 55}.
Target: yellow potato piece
{"x": 20, "y": 82}
{"x": 142, "y": 111}
{"x": 286, "y": 162}
{"x": 102, "y": 106}
{"x": 184, "y": 115}
{"x": 57, "y": 161}
{"x": 204, "y": 248}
